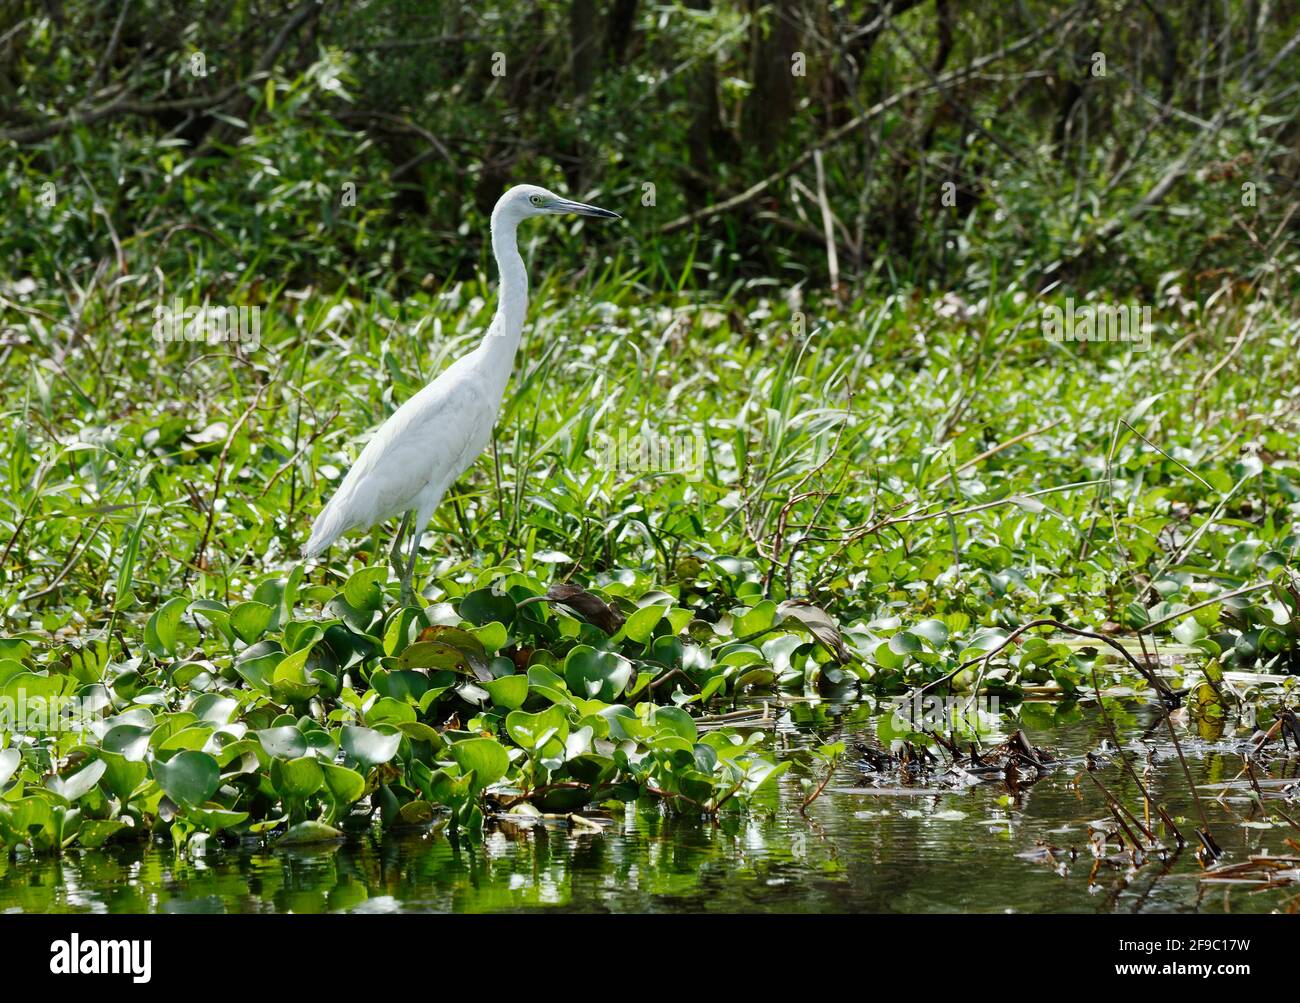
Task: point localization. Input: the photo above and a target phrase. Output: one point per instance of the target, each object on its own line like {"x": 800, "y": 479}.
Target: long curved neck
{"x": 502, "y": 338}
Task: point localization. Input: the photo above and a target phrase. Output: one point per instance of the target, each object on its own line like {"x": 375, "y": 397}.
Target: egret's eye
{"x": 536, "y": 200}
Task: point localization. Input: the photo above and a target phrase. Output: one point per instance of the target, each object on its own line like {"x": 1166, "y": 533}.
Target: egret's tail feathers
{"x": 329, "y": 526}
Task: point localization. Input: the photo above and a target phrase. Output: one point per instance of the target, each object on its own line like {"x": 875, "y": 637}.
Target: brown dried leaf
{"x": 591, "y": 608}
{"x": 819, "y": 624}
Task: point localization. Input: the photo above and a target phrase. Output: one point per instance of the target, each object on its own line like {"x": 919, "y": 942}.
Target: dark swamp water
{"x": 893, "y": 849}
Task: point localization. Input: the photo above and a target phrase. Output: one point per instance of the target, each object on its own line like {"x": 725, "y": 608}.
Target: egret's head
{"x": 523, "y": 201}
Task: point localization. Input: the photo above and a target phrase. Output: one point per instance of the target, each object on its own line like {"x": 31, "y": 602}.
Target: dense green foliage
{"x": 1008, "y": 139}
{"x": 163, "y": 616}
{"x": 881, "y": 484}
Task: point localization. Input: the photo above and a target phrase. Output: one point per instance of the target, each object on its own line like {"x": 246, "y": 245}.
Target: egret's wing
{"x": 426, "y": 443}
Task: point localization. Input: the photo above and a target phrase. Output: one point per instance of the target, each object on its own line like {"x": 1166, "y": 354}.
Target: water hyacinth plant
{"x": 305, "y": 709}
{"x": 254, "y": 718}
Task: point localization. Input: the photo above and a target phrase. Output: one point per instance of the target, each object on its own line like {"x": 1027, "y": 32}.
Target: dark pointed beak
{"x": 582, "y": 209}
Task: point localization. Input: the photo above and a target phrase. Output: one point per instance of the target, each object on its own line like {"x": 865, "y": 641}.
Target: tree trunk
{"x": 771, "y": 103}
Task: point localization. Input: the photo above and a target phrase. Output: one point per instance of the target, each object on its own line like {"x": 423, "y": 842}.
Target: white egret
{"x": 429, "y": 441}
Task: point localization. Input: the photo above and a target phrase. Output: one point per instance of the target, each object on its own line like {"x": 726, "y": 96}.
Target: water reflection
{"x": 895, "y": 851}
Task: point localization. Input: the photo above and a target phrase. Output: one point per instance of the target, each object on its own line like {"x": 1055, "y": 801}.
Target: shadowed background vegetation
{"x": 1107, "y": 139}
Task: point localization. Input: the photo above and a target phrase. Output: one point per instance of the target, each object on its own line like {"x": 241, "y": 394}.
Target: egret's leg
{"x": 395, "y": 555}
{"x": 408, "y": 593}
{"x": 418, "y": 526}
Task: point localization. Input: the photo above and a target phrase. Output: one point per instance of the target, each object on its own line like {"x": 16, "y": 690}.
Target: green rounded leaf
{"x": 285, "y": 742}
{"x": 596, "y": 675}
{"x": 345, "y": 786}
{"x": 160, "y": 633}
{"x": 365, "y": 589}
{"x": 442, "y": 655}
{"x": 79, "y": 784}
{"x": 904, "y": 643}
{"x": 10, "y": 760}
{"x": 188, "y": 778}
{"x": 386, "y": 710}
{"x": 485, "y": 757}
{"x": 532, "y": 731}
{"x": 484, "y": 606}
{"x": 97, "y": 832}
{"x": 129, "y": 741}
{"x": 641, "y": 624}
{"x": 297, "y": 778}
{"x": 934, "y": 631}
{"x": 122, "y": 776}
{"x": 290, "y": 681}
{"x": 305, "y": 833}
{"x": 250, "y": 620}
{"x": 368, "y": 746}
{"x": 508, "y": 691}
{"x": 677, "y": 721}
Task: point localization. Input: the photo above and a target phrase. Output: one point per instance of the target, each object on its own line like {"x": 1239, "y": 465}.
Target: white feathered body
{"x": 417, "y": 454}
